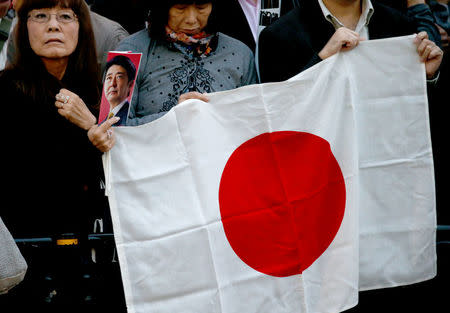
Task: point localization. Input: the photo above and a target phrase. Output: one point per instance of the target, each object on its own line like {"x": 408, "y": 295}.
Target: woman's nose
{"x": 53, "y": 23}
{"x": 191, "y": 16}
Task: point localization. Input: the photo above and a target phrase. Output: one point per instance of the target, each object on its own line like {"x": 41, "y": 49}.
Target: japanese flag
{"x": 280, "y": 197}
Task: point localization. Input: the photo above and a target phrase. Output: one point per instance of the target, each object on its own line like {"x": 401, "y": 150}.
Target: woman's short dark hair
{"x": 82, "y": 68}
{"x": 159, "y": 15}
{"x": 125, "y": 62}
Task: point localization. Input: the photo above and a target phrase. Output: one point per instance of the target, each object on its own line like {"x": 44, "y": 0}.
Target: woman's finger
{"x": 59, "y": 104}
{"x": 108, "y": 123}
{"x": 193, "y": 95}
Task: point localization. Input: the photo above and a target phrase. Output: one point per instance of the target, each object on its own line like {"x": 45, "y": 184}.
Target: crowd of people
{"x": 53, "y": 57}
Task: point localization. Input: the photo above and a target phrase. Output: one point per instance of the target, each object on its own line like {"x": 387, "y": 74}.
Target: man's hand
{"x": 410, "y": 3}
{"x": 343, "y": 39}
{"x": 429, "y": 53}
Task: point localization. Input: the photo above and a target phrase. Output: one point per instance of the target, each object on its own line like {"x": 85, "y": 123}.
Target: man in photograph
{"x": 119, "y": 78}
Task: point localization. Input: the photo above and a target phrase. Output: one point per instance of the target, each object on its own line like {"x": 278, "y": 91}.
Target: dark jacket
{"x": 52, "y": 170}
{"x": 231, "y": 20}
{"x": 291, "y": 44}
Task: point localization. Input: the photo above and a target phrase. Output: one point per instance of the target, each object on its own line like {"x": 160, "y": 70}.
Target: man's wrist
{"x": 410, "y": 3}
{"x": 324, "y": 54}
{"x": 433, "y": 80}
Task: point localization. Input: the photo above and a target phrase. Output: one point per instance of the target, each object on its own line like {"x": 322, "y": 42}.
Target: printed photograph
{"x": 118, "y": 84}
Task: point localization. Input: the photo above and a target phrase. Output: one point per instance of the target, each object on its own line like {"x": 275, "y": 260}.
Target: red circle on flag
{"x": 282, "y": 201}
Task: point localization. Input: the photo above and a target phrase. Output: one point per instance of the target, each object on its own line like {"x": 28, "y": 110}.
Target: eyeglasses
{"x": 44, "y": 17}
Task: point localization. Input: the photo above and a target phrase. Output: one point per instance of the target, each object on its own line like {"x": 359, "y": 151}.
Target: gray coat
{"x": 165, "y": 73}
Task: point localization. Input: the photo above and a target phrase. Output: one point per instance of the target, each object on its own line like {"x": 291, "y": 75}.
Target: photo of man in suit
{"x": 119, "y": 78}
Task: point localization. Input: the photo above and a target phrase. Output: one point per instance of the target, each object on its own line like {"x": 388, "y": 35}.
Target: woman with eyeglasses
{"x": 52, "y": 171}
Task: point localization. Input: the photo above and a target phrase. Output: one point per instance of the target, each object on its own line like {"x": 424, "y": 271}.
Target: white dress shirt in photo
{"x": 117, "y": 108}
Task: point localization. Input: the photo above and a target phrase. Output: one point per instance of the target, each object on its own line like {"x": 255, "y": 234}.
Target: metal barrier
{"x": 443, "y": 234}
{"x": 96, "y": 238}
{"x": 91, "y": 237}
{"x": 81, "y": 271}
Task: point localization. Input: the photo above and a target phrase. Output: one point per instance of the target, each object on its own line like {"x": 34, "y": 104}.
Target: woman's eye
{"x": 65, "y": 16}
{"x": 40, "y": 16}
{"x": 180, "y": 6}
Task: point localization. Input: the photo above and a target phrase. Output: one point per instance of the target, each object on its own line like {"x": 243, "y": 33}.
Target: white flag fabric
{"x": 280, "y": 197}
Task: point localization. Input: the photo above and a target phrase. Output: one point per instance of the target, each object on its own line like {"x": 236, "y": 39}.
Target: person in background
{"x": 441, "y": 13}
{"x": 319, "y": 29}
{"x": 244, "y": 15}
{"x": 184, "y": 53}
{"x": 131, "y": 14}
{"x": 6, "y": 26}
{"x": 420, "y": 12}
{"x": 251, "y": 10}
{"x": 50, "y": 94}
{"x": 107, "y": 33}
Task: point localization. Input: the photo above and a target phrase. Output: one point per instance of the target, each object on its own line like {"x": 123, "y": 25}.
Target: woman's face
{"x": 53, "y": 33}
{"x": 189, "y": 18}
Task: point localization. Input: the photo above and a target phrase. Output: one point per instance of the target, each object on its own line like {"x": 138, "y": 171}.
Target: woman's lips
{"x": 190, "y": 31}
{"x": 54, "y": 41}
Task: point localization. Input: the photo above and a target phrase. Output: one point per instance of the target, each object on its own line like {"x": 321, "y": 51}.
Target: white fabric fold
{"x": 163, "y": 179}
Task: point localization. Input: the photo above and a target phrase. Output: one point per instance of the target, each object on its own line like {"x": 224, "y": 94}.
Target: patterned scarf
{"x": 200, "y": 45}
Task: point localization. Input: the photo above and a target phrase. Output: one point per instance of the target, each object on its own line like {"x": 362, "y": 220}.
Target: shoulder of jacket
{"x": 231, "y": 41}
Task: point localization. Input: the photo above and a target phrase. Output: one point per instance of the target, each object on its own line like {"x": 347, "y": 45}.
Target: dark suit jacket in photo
{"x": 123, "y": 114}
{"x": 291, "y": 44}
